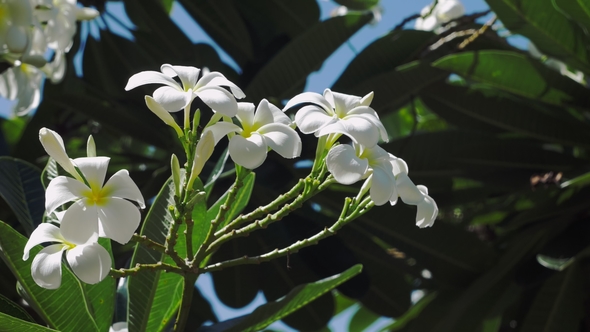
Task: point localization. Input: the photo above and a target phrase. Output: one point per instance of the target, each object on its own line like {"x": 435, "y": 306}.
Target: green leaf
{"x": 578, "y": 10}
{"x": 50, "y": 172}
{"x": 362, "y": 319}
{"x": 11, "y": 324}
{"x": 142, "y": 304}
{"x": 242, "y": 199}
{"x": 411, "y": 314}
{"x": 297, "y": 298}
{"x": 76, "y": 315}
{"x": 288, "y": 69}
{"x": 358, "y": 4}
{"x": 12, "y": 309}
{"x": 516, "y": 73}
{"x": 167, "y": 4}
{"x": 506, "y": 113}
{"x": 102, "y": 295}
{"x": 547, "y": 28}
{"x": 21, "y": 188}
{"x": 559, "y": 305}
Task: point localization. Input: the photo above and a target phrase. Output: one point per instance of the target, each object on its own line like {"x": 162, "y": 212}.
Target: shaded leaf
{"x": 14, "y": 310}
{"x": 10, "y": 324}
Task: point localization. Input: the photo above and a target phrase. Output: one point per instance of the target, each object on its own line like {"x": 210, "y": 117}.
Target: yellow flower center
{"x": 96, "y": 195}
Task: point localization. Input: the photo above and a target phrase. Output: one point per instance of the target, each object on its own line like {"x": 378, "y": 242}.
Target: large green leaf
{"x": 11, "y": 324}
{"x": 102, "y": 295}
{"x": 143, "y": 286}
{"x": 506, "y": 114}
{"x": 578, "y": 10}
{"x": 559, "y": 305}
{"x": 21, "y": 188}
{"x": 10, "y": 308}
{"x": 297, "y": 298}
{"x": 67, "y": 308}
{"x": 516, "y": 73}
{"x": 289, "y": 68}
{"x": 547, "y": 28}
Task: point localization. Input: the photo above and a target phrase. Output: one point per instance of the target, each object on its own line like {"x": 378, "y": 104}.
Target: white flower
{"x": 445, "y": 11}
{"x": 22, "y": 82}
{"x": 416, "y": 195}
{"x": 349, "y": 164}
{"x": 89, "y": 261}
{"x": 16, "y": 16}
{"x": 174, "y": 97}
{"x": 339, "y": 113}
{"x": 55, "y": 148}
{"x": 266, "y": 127}
{"x": 97, "y": 208}
{"x": 119, "y": 327}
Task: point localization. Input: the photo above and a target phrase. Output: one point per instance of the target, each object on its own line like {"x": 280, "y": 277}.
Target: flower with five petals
{"x": 339, "y": 113}
{"x": 174, "y": 96}
{"x": 266, "y": 127}
{"x": 89, "y": 261}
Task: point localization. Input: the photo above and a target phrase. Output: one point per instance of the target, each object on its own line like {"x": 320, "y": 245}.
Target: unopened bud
{"x": 90, "y": 147}
{"x": 175, "y": 168}
{"x": 203, "y": 152}
{"x": 163, "y": 114}
{"x": 55, "y": 148}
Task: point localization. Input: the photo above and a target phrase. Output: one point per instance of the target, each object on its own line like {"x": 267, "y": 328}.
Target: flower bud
{"x": 55, "y": 148}
{"x": 163, "y": 114}
{"x": 90, "y": 147}
{"x": 203, "y": 152}
{"x": 175, "y": 168}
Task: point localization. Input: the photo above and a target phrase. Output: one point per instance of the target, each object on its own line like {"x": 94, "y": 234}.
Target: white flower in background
{"x": 59, "y": 19}
{"x": 445, "y": 11}
{"x": 339, "y": 113}
{"x": 377, "y": 12}
{"x": 416, "y": 195}
{"x": 89, "y": 261}
{"x": 349, "y": 164}
{"x": 174, "y": 96}
{"x": 119, "y": 327}
{"x": 561, "y": 67}
{"x": 16, "y": 17}
{"x": 267, "y": 127}
{"x": 98, "y": 207}
{"x": 22, "y": 82}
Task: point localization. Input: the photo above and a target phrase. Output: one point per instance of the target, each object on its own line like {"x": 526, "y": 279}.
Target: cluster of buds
{"x": 28, "y": 30}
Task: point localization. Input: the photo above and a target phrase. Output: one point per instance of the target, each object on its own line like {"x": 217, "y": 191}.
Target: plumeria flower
{"x": 339, "y": 113}
{"x": 445, "y": 11}
{"x": 267, "y": 127}
{"x": 98, "y": 207}
{"x": 349, "y": 164}
{"x": 16, "y": 16}
{"x": 89, "y": 261}
{"x": 174, "y": 96}
{"x": 416, "y": 195}
{"x": 22, "y": 83}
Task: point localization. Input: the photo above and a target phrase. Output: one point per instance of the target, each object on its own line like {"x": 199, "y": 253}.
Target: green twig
{"x": 142, "y": 239}
{"x": 159, "y": 266}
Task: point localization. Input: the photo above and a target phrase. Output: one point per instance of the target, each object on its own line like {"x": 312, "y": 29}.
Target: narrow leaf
{"x": 11, "y": 324}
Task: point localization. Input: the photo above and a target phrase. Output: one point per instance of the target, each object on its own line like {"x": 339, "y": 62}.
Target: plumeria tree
{"x": 151, "y": 165}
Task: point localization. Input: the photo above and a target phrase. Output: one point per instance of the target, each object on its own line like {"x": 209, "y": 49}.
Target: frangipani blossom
{"x": 267, "y": 127}
{"x": 89, "y": 261}
{"x": 97, "y": 208}
{"x": 22, "y": 82}
{"x": 174, "y": 96}
{"x": 16, "y": 16}
{"x": 349, "y": 164}
{"x": 341, "y": 114}
{"x": 412, "y": 194}
{"x": 445, "y": 11}
{"x": 55, "y": 148}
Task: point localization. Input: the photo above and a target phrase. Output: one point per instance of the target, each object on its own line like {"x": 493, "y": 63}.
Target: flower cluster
{"x": 85, "y": 208}
{"x": 443, "y": 12}
{"x": 28, "y": 29}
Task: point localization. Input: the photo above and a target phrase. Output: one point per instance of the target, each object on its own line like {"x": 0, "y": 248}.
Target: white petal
{"x": 310, "y": 119}
{"x": 91, "y": 263}
{"x": 357, "y": 128}
{"x": 310, "y": 97}
{"x": 344, "y": 164}
{"x": 86, "y": 14}
{"x": 118, "y": 220}
{"x": 370, "y": 115}
{"x": 219, "y": 99}
{"x": 367, "y": 99}
{"x": 399, "y": 165}
{"x": 382, "y": 187}
{"x": 45, "y": 232}
{"x": 150, "y": 77}
{"x": 427, "y": 212}
{"x": 119, "y": 327}
{"x": 282, "y": 139}
{"x": 79, "y": 223}
{"x": 94, "y": 169}
{"x": 222, "y": 128}
{"x": 279, "y": 116}
{"x": 246, "y": 114}
{"x": 343, "y": 103}
{"x": 46, "y": 267}
{"x": 422, "y": 189}
{"x": 55, "y": 148}
{"x": 263, "y": 114}
{"x": 122, "y": 186}
{"x": 188, "y": 75}
{"x": 216, "y": 78}
{"x": 250, "y": 152}
{"x": 408, "y": 192}
{"x": 61, "y": 190}
{"x": 203, "y": 152}
{"x": 171, "y": 99}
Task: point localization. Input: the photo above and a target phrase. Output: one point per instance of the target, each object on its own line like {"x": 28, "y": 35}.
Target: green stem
{"x": 261, "y": 210}
{"x": 159, "y": 266}
{"x": 147, "y": 242}
{"x": 344, "y": 219}
{"x": 188, "y": 288}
